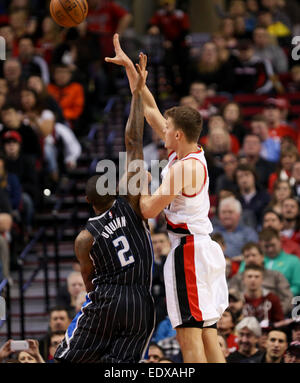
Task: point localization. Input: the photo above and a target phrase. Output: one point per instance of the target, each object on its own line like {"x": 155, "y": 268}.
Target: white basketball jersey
{"x": 189, "y": 214}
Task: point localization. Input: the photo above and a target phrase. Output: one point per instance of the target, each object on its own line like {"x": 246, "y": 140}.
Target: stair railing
{"x": 5, "y": 288}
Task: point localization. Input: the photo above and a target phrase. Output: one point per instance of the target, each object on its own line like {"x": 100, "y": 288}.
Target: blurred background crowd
{"x": 241, "y": 75}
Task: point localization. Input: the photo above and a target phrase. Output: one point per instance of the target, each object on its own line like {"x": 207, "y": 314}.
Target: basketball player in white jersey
{"x": 194, "y": 272}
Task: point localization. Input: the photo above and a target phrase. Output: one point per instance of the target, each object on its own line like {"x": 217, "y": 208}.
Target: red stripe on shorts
{"x": 190, "y": 278}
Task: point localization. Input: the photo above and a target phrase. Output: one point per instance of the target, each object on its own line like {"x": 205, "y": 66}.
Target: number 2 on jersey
{"x": 124, "y": 259}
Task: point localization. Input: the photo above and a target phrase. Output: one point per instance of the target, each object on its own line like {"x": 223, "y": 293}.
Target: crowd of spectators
{"x": 241, "y": 78}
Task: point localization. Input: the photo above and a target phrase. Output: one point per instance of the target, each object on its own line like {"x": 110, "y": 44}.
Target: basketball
{"x": 68, "y": 13}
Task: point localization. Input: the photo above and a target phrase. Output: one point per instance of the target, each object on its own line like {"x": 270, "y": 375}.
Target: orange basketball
{"x": 68, "y": 13}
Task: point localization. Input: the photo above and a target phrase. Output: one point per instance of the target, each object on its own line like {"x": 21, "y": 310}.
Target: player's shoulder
{"x": 84, "y": 237}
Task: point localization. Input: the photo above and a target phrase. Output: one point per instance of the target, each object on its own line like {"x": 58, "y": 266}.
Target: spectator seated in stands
{"x": 155, "y": 353}
{"x": 291, "y": 219}
{"x": 250, "y": 154}
{"x": 10, "y": 187}
{"x": 266, "y": 49}
{"x": 36, "y": 83}
{"x": 292, "y": 354}
{"x": 276, "y": 259}
{"x": 12, "y": 71}
{"x": 232, "y": 113}
{"x": 249, "y": 332}
{"x": 273, "y": 281}
{"x": 67, "y": 297}
{"x": 236, "y": 303}
{"x": 50, "y": 38}
{"x": 289, "y": 155}
{"x": 218, "y": 140}
{"x": 199, "y": 91}
{"x": 50, "y": 131}
{"x": 56, "y": 338}
{"x": 270, "y": 146}
{"x": 275, "y": 27}
{"x": 106, "y": 18}
{"x": 223, "y": 345}
{"x": 209, "y": 69}
{"x": 274, "y": 220}
{"x": 32, "y": 355}
{"x": 294, "y": 85}
{"x": 161, "y": 248}
{"x": 226, "y": 325}
{"x": 173, "y": 24}
{"x": 259, "y": 302}
{"x": 278, "y": 126}
{"x": 227, "y": 180}
{"x": 23, "y": 166}
{"x": 68, "y": 94}
{"x": 235, "y": 233}
{"x": 276, "y": 345}
{"x": 32, "y": 64}
{"x": 251, "y": 74}
{"x": 59, "y": 320}
{"x": 12, "y": 121}
{"x": 251, "y": 195}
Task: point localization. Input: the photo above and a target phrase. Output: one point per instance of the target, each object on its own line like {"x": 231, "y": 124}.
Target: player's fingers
{"x": 116, "y": 41}
{"x": 109, "y": 59}
{"x": 138, "y": 68}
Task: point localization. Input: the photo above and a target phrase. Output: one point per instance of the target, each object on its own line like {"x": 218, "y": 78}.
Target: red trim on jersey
{"x": 205, "y": 178}
{"x": 190, "y": 278}
{"x": 173, "y": 151}
{"x": 198, "y": 151}
{"x": 177, "y": 225}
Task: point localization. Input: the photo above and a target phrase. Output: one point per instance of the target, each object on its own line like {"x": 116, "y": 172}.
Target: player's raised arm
{"x": 134, "y": 136}
{"x": 153, "y": 115}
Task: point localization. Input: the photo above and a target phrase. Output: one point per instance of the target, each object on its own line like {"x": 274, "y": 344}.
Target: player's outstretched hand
{"x": 143, "y": 73}
{"x": 120, "y": 58}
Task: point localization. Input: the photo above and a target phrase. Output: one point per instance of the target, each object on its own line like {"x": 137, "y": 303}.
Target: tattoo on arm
{"x": 135, "y": 129}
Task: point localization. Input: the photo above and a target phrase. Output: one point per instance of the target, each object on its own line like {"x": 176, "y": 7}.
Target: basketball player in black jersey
{"x": 115, "y": 253}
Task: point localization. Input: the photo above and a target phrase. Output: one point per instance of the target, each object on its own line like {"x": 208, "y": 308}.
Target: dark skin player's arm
{"x": 83, "y": 246}
{"x": 135, "y": 129}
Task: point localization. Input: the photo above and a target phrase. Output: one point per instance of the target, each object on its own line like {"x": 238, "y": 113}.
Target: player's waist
{"x": 203, "y": 227}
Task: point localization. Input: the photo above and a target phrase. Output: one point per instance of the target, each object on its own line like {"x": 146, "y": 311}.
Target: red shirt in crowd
{"x": 232, "y": 343}
{"x": 283, "y": 130}
{"x": 290, "y": 246}
{"x": 235, "y": 145}
{"x": 267, "y": 307}
{"x": 104, "y": 20}
{"x": 171, "y": 24}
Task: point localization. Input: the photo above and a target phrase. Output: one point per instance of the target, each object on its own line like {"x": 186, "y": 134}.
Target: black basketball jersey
{"x": 122, "y": 251}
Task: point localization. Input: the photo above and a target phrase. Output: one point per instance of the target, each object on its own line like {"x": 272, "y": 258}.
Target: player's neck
{"x": 186, "y": 149}
{"x": 104, "y": 209}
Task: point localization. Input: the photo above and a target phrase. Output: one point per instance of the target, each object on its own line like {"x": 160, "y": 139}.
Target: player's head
{"x": 99, "y": 202}
{"x": 184, "y": 125}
